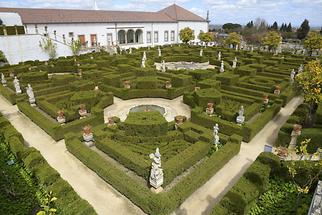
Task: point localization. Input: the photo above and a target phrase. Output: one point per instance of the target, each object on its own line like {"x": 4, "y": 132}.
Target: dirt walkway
{"x": 203, "y": 199}
{"x": 103, "y": 198}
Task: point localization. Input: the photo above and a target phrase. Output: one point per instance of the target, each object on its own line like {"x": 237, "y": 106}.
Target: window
{"x": 156, "y": 36}
{"x": 166, "y": 36}
{"x": 148, "y": 37}
{"x": 172, "y": 35}
{"x": 71, "y": 34}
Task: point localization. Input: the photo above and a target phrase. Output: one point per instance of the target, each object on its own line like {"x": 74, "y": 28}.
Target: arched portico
{"x": 130, "y": 36}
{"x": 121, "y": 36}
{"x": 138, "y": 36}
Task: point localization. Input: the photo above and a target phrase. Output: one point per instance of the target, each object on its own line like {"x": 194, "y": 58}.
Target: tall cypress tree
{"x": 274, "y": 26}
{"x": 282, "y": 27}
{"x": 303, "y": 30}
{"x": 289, "y": 27}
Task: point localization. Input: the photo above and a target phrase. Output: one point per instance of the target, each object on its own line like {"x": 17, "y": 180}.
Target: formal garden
{"x": 232, "y": 94}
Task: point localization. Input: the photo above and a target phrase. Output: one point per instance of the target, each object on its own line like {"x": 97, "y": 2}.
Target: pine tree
{"x": 303, "y": 30}
{"x": 274, "y": 26}
{"x": 289, "y": 27}
{"x": 282, "y": 27}
{"x": 250, "y": 24}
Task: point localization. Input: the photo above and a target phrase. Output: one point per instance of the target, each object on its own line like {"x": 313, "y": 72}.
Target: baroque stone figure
{"x": 30, "y": 94}
{"x": 222, "y": 67}
{"x": 292, "y": 78}
{"x": 159, "y": 51}
{"x": 156, "y": 174}
{"x": 144, "y": 56}
{"x": 219, "y": 56}
{"x": 17, "y": 85}
{"x": 143, "y": 63}
{"x": 241, "y": 118}
{"x": 201, "y": 52}
{"x": 3, "y": 80}
{"x": 210, "y": 109}
{"x": 163, "y": 67}
{"x": 130, "y": 51}
{"x": 61, "y": 117}
{"x": 82, "y": 111}
{"x": 234, "y": 63}
{"x": 88, "y": 136}
{"x": 215, "y": 134}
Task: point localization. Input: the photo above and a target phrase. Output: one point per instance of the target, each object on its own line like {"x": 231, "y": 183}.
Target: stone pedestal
{"x": 61, "y": 120}
{"x": 88, "y": 139}
{"x": 240, "y": 119}
{"x": 156, "y": 191}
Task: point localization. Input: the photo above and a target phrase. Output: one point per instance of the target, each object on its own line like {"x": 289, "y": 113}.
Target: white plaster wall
{"x": 10, "y": 19}
{"x": 20, "y": 48}
{"x": 196, "y": 26}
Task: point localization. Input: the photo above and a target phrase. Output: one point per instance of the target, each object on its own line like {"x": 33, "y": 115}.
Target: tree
{"x": 321, "y": 31}
{"x": 289, "y": 28}
{"x": 230, "y": 27}
{"x": 206, "y": 37}
{"x": 49, "y": 47}
{"x": 76, "y": 47}
{"x": 304, "y": 173}
{"x": 313, "y": 41}
{"x": 274, "y": 27}
{"x": 233, "y": 38}
{"x": 272, "y": 39}
{"x": 1, "y": 22}
{"x": 310, "y": 82}
{"x": 186, "y": 35}
{"x": 303, "y": 30}
{"x": 250, "y": 24}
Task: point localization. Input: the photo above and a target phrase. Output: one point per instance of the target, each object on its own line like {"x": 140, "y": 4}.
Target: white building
{"x": 107, "y": 28}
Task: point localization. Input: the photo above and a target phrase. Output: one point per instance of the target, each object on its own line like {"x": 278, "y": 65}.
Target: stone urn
{"x": 168, "y": 85}
{"x": 210, "y": 108}
{"x": 179, "y": 120}
{"x": 82, "y": 111}
{"x": 197, "y": 89}
{"x": 127, "y": 84}
{"x": 297, "y": 130}
{"x": 110, "y": 121}
{"x": 61, "y": 117}
{"x": 88, "y": 136}
{"x": 277, "y": 90}
{"x": 265, "y": 100}
{"x": 96, "y": 88}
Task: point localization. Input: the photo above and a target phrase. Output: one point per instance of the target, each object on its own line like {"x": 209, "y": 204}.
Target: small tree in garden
{"x": 76, "y": 47}
{"x": 310, "y": 82}
{"x": 47, "y": 206}
{"x": 272, "y": 39}
{"x": 186, "y": 35}
{"x": 313, "y": 42}
{"x": 304, "y": 173}
{"x": 303, "y": 30}
{"x": 233, "y": 38}
{"x": 49, "y": 47}
{"x": 206, "y": 37}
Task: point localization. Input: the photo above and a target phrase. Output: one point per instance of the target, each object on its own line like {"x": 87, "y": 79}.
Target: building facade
{"x": 108, "y": 28}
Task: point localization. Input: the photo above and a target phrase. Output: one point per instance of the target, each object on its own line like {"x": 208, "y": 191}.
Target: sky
{"x": 221, "y": 11}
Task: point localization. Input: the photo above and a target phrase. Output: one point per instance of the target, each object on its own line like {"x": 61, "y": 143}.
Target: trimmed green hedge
{"x": 45, "y": 175}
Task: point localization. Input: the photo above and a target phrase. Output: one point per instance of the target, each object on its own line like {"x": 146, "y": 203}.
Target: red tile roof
{"x": 173, "y": 13}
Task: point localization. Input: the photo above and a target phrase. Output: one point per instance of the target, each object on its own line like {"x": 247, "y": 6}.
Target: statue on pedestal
{"x": 277, "y": 90}
{"x": 130, "y": 51}
{"x": 144, "y": 56}
{"x": 241, "y": 118}
{"x": 234, "y": 63}
{"x": 210, "y": 109}
{"x": 127, "y": 84}
{"x": 163, "y": 67}
{"x": 88, "y": 136}
{"x": 61, "y": 117}
{"x": 82, "y": 111}
{"x": 110, "y": 121}
{"x": 215, "y": 134}
{"x": 159, "y": 51}
{"x": 219, "y": 56}
{"x": 3, "y": 80}
{"x": 265, "y": 99}
{"x": 17, "y": 85}
{"x": 201, "y": 52}
{"x": 143, "y": 63}
{"x": 297, "y": 130}
{"x": 222, "y": 67}
{"x": 293, "y": 74}
{"x": 156, "y": 175}
{"x": 179, "y": 120}
{"x": 168, "y": 85}
{"x": 30, "y": 94}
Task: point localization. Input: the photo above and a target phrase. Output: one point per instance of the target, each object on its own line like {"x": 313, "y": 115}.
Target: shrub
{"x": 145, "y": 124}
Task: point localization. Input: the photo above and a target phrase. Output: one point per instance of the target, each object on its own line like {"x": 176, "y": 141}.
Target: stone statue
{"x": 163, "y": 67}
{"x": 88, "y": 136}
{"x": 222, "y": 67}
{"x": 156, "y": 175}
{"x": 82, "y": 111}
{"x": 201, "y": 52}
{"x": 240, "y": 118}
{"x": 3, "y": 80}
{"x": 234, "y": 63}
{"x": 301, "y": 68}
{"x": 144, "y": 56}
{"x": 30, "y": 94}
{"x": 159, "y": 51}
{"x": 293, "y": 73}
{"x": 210, "y": 109}
{"x": 219, "y": 56}
{"x": 168, "y": 85}
{"x": 236, "y": 47}
{"x": 61, "y": 117}
{"x": 17, "y": 85}
{"x": 231, "y": 46}
{"x": 130, "y": 51}
{"x": 143, "y": 63}
{"x": 277, "y": 90}
{"x": 252, "y": 48}
{"x": 216, "y": 136}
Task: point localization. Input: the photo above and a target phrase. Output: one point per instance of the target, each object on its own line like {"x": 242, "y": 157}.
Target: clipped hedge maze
{"x": 188, "y": 156}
